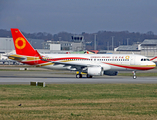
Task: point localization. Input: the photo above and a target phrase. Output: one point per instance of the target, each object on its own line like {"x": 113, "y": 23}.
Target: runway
{"x": 59, "y": 77}
{"x": 56, "y": 80}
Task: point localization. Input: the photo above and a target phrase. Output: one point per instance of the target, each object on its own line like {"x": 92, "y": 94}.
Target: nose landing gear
{"x": 134, "y": 74}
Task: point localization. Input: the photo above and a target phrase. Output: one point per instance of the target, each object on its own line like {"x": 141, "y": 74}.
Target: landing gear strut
{"x": 134, "y": 74}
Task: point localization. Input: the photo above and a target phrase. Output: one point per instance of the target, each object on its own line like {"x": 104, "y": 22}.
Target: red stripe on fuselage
{"x": 131, "y": 67}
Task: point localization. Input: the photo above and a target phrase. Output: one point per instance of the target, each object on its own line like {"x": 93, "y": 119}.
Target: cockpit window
{"x": 144, "y": 59}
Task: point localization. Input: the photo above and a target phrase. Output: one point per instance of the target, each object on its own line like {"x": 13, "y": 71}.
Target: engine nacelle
{"x": 111, "y": 73}
{"x": 95, "y": 71}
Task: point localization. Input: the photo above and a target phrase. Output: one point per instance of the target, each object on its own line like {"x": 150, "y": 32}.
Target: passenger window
{"x": 141, "y": 59}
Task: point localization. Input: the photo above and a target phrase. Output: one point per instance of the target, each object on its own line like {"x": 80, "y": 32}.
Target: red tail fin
{"x": 22, "y": 46}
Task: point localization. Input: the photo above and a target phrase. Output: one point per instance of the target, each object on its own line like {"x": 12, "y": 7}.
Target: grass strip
{"x": 79, "y": 101}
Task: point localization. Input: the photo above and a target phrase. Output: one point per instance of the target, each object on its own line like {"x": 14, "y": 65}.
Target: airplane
{"x": 154, "y": 59}
{"x": 91, "y": 64}
{"x": 91, "y": 52}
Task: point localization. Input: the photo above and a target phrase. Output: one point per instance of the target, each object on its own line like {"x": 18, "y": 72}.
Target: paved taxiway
{"x": 62, "y": 77}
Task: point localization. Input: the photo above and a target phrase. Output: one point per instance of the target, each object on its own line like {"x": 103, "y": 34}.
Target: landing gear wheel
{"x": 89, "y": 76}
{"x": 134, "y": 77}
{"x": 78, "y": 75}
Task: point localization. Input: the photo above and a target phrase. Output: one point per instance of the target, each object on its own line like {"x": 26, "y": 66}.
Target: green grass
{"x": 79, "y": 101}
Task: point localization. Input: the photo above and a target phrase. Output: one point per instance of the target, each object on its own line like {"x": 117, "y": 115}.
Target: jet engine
{"x": 95, "y": 71}
{"x": 111, "y": 73}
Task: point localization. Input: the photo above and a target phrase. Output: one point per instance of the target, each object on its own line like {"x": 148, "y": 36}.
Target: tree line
{"x": 103, "y": 38}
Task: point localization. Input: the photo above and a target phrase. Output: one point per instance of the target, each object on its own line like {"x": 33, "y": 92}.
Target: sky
{"x": 77, "y": 16}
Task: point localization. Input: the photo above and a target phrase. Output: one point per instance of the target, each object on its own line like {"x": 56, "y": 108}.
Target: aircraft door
{"x": 132, "y": 60}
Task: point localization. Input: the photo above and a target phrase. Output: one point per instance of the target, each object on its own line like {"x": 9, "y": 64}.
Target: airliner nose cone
{"x": 153, "y": 64}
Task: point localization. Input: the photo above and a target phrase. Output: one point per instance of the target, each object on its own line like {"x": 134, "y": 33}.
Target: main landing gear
{"x": 80, "y": 76}
{"x": 134, "y": 74}
{"x": 89, "y": 76}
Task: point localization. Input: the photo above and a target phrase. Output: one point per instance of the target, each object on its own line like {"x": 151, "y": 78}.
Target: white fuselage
{"x": 118, "y": 62}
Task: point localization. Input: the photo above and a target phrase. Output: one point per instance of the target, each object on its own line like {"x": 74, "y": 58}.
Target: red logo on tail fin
{"x": 20, "y": 43}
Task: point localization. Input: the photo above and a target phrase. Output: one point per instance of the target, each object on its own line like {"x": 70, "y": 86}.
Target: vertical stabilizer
{"x": 22, "y": 46}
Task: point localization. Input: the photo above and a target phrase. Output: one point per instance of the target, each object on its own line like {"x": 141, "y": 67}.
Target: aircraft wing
{"x": 71, "y": 65}
{"x": 77, "y": 66}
